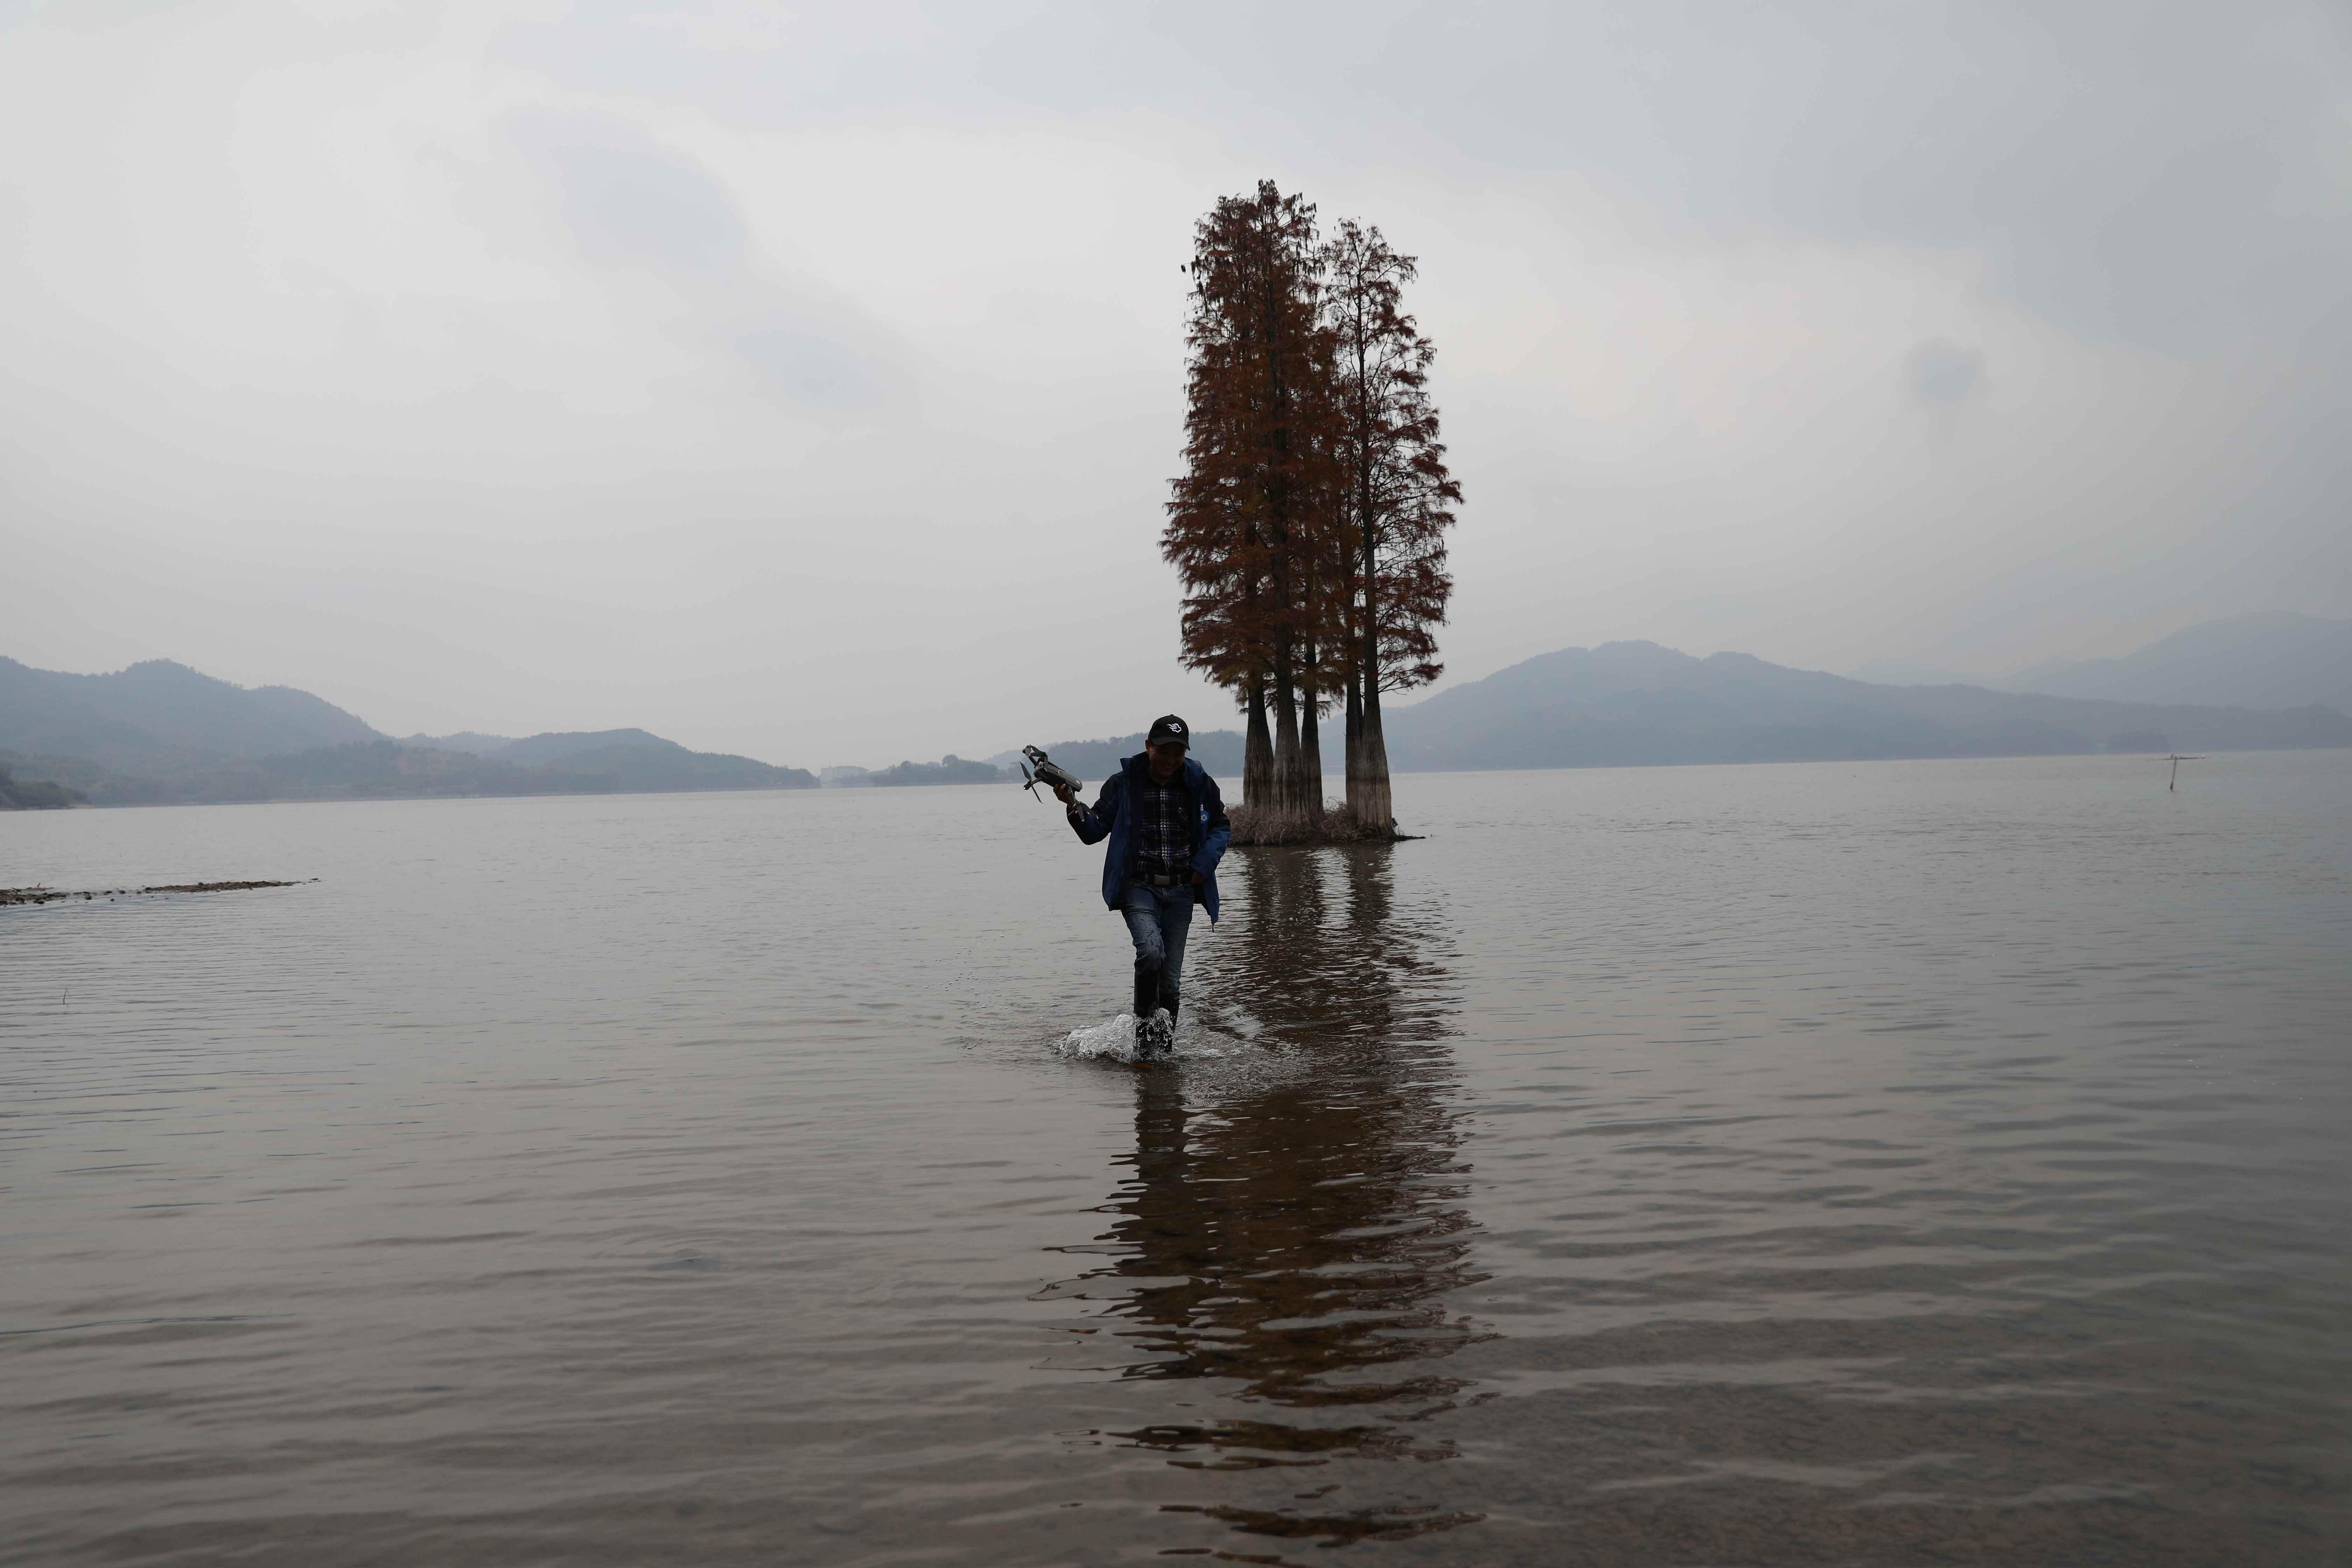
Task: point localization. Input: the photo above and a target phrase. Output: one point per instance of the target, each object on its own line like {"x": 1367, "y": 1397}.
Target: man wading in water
{"x": 1167, "y": 827}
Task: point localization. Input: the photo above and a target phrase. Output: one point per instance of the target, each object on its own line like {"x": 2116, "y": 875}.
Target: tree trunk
{"x": 1368, "y": 793}
{"x": 1354, "y": 744}
{"x": 1257, "y": 752}
{"x": 1310, "y": 741}
{"x": 1374, "y": 808}
{"x": 1287, "y": 797}
{"x": 1377, "y": 809}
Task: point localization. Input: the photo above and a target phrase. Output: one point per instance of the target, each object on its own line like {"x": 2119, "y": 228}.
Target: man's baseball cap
{"x": 1169, "y": 731}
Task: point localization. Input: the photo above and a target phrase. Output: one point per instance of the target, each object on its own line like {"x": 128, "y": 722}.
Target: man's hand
{"x": 1199, "y": 880}
{"x": 1064, "y": 794}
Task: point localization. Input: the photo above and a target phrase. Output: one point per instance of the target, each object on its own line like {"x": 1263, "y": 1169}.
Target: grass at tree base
{"x": 1257, "y": 826}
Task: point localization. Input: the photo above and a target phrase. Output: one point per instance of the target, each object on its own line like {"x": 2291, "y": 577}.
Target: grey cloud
{"x": 2124, "y": 164}
{"x": 1938, "y": 372}
{"x": 625, "y": 200}
{"x": 2154, "y": 175}
{"x": 810, "y": 368}
{"x": 642, "y": 206}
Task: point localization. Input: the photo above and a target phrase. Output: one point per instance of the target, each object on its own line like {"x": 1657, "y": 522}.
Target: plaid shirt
{"x": 1164, "y": 836}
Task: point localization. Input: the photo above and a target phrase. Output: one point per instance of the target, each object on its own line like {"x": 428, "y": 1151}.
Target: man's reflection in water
{"x": 1295, "y": 1218}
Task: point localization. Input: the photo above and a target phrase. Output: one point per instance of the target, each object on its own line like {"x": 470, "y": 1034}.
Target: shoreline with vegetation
{"x": 36, "y": 793}
{"x": 39, "y": 894}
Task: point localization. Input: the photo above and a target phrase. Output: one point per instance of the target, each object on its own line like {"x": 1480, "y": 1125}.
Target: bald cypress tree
{"x": 1308, "y": 526}
{"x": 1395, "y": 499}
{"x": 1246, "y": 518}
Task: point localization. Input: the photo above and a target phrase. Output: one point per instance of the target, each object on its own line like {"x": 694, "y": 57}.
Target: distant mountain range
{"x": 1637, "y": 703}
{"x": 633, "y": 760}
{"x": 2273, "y": 659}
{"x": 2252, "y": 661}
{"x": 160, "y": 732}
{"x": 162, "y": 719}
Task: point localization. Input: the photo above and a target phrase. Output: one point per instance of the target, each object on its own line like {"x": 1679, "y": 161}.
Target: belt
{"x": 1182, "y": 880}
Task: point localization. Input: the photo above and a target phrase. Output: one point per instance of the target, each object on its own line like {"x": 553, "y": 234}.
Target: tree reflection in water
{"x": 1295, "y": 1219}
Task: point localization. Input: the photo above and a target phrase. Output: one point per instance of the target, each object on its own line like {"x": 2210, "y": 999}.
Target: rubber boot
{"x": 1165, "y": 1018}
{"x": 1152, "y": 1033}
{"x": 1155, "y": 1040}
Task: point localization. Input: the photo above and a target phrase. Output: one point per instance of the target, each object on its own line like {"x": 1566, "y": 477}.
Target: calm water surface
{"x": 1872, "y": 1163}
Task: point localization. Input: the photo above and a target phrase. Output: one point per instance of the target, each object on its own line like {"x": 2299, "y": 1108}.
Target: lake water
{"x": 1839, "y": 1163}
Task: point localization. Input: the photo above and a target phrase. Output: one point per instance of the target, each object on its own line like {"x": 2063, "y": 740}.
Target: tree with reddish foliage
{"x": 1308, "y": 526}
{"x": 1396, "y": 499}
{"x": 1244, "y": 517}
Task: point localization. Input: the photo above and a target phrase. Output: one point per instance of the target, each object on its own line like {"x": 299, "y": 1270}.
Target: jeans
{"x": 1159, "y": 919}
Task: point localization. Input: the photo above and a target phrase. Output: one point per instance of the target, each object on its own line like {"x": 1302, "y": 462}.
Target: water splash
{"x": 1113, "y": 1038}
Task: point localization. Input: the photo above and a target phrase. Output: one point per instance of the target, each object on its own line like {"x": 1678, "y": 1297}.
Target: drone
{"x": 1047, "y": 771}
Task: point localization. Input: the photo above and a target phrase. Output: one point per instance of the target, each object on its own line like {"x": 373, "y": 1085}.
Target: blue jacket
{"x": 1109, "y": 818}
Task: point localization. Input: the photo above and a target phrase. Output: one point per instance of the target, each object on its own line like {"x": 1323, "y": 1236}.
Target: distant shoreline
{"x": 498, "y": 795}
{"x": 161, "y": 733}
{"x": 1409, "y": 771}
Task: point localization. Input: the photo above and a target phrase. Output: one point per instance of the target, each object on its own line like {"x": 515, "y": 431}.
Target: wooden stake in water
{"x": 2175, "y": 759}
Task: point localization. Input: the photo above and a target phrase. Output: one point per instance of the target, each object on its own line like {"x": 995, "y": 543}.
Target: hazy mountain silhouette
{"x": 470, "y": 742}
{"x": 1637, "y": 703}
{"x": 534, "y": 750}
{"x": 635, "y": 759}
{"x": 1916, "y": 672}
{"x": 33, "y": 794}
{"x": 647, "y": 764}
{"x": 159, "y": 732}
{"x": 161, "y": 717}
{"x": 2271, "y": 660}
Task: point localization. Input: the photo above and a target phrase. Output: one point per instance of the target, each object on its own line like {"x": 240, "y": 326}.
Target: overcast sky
{"x": 806, "y": 382}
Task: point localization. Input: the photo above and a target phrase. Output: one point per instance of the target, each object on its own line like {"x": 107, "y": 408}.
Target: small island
{"x": 1309, "y": 527}
{"x": 1257, "y": 829}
